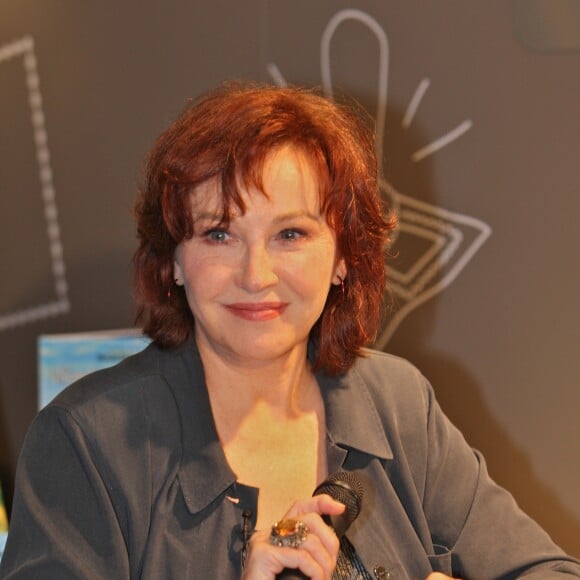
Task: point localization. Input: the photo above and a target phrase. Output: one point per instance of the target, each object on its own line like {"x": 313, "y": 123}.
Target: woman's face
{"x": 257, "y": 286}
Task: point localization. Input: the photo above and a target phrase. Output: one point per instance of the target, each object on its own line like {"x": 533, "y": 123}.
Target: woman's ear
{"x": 340, "y": 273}
{"x": 177, "y": 272}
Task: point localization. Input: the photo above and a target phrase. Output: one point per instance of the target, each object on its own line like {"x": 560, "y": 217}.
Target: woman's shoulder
{"x": 135, "y": 395}
{"x": 119, "y": 411}
{"x": 141, "y": 368}
{"x": 389, "y": 373}
{"x": 120, "y": 426}
{"x": 396, "y": 386}
{"x": 375, "y": 361}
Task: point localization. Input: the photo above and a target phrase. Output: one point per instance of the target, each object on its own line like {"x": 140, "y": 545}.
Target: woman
{"x": 259, "y": 276}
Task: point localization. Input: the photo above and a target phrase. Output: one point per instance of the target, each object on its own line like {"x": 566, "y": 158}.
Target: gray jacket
{"x": 123, "y": 476}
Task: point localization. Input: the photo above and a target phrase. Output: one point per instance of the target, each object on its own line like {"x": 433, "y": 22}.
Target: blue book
{"x": 64, "y": 358}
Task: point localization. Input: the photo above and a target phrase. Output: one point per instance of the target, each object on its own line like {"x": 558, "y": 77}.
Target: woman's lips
{"x": 257, "y": 311}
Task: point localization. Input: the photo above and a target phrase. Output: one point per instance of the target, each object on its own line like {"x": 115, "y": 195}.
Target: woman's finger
{"x": 321, "y": 539}
{"x": 323, "y": 550}
{"x": 265, "y": 560}
{"x": 310, "y": 511}
{"x": 321, "y": 504}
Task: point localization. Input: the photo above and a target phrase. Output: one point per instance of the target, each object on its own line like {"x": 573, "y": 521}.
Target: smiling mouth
{"x": 257, "y": 311}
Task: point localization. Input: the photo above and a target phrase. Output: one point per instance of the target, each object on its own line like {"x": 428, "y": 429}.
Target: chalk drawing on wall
{"x": 451, "y": 239}
{"x": 24, "y": 49}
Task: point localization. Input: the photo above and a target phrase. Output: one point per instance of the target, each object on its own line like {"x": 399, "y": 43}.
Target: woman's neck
{"x": 271, "y": 423}
{"x": 285, "y": 385}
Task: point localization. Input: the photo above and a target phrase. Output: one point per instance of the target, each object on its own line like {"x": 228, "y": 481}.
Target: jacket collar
{"x": 352, "y": 420}
{"x": 204, "y": 473}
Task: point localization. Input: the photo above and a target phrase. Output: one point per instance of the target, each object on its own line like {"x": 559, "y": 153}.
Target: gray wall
{"x": 486, "y": 288}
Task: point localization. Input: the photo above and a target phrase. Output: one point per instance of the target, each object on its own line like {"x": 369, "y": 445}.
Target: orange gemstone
{"x": 286, "y": 528}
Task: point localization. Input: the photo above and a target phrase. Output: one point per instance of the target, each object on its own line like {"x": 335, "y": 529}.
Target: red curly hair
{"x": 227, "y": 135}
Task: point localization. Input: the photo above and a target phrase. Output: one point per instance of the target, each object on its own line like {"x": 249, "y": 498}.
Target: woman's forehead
{"x": 288, "y": 174}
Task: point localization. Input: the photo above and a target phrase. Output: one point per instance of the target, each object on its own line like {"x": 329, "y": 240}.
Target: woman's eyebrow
{"x": 208, "y": 217}
{"x": 298, "y": 214}
{"x": 204, "y": 215}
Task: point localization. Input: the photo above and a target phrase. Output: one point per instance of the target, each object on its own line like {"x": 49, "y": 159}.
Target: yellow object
{"x": 3, "y": 518}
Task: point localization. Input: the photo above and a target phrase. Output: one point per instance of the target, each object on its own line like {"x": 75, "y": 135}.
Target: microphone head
{"x": 345, "y": 487}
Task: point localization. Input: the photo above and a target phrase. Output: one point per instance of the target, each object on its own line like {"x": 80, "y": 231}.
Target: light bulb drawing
{"x": 452, "y": 239}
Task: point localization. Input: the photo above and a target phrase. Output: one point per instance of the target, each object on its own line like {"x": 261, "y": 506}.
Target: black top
{"x": 123, "y": 476}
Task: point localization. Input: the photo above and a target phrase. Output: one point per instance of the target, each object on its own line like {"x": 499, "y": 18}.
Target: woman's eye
{"x": 290, "y": 235}
{"x": 216, "y": 236}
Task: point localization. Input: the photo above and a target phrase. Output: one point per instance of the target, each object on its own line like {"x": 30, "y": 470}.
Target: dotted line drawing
{"x": 453, "y": 238}
{"x": 24, "y": 48}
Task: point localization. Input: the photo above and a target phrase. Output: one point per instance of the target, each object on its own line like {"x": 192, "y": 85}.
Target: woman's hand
{"x": 438, "y": 576}
{"x": 315, "y": 557}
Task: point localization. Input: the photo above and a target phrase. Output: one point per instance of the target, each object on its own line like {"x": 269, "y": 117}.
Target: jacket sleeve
{"x": 63, "y": 522}
{"x": 478, "y": 521}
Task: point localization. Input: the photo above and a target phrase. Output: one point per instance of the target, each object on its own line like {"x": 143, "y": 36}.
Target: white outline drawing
{"x": 445, "y": 231}
{"x": 25, "y": 48}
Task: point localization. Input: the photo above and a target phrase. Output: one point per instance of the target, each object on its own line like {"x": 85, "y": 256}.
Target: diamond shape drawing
{"x": 453, "y": 239}
{"x": 24, "y": 49}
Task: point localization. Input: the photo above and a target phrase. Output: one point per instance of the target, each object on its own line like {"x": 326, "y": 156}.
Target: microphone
{"x": 346, "y": 488}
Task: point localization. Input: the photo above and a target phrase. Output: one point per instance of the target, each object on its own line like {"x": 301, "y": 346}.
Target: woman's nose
{"x": 257, "y": 269}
